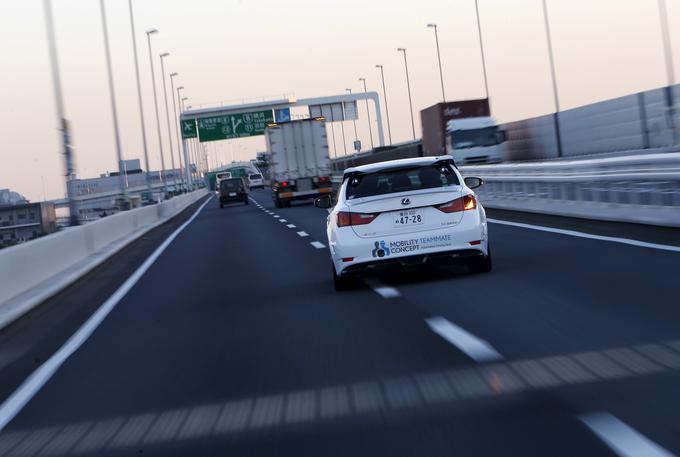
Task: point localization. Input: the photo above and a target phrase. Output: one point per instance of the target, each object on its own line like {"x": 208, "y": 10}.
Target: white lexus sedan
{"x": 405, "y": 212}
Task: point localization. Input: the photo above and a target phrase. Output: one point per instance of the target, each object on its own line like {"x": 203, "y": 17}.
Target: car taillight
{"x": 325, "y": 179}
{"x": 284, "y": 184}
{"x": 346, "y": 218}
{"x": 464, "y": 203}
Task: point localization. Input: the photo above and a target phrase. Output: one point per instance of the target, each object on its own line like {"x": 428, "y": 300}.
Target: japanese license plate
{"x": 408, "y": 217}
{"x": 232, "y": 194}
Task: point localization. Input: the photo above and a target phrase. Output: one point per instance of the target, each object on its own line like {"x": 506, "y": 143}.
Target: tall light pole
{"x": 176, "y": 123}
{"x": 556, "y": 118}
{"x": 368, "y": 113}
{"x": 155, "y": 105}
{"x": 387, "y": 111}
{"x": 356, "y": 135}
{"x": 408, "y": 85}
{"x": 439, "y": 57}
{"x": 139, "y": 100}
{"x": 670, "y": 71}
{"x": 114, "y": 112}
{"x": 189, "y": 157}
{"x": 182, "y": 142}
{"x": 69, "y": 168}
{"x": 481, "y": 48}
{"x": 167, "y": 114}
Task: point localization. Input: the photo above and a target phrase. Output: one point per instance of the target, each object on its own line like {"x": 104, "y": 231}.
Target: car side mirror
{"x": 473, "y": 182}
{"x": 323, "y": 202}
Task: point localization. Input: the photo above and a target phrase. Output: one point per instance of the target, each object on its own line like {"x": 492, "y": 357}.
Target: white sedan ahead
{"x": 405, "y": 213}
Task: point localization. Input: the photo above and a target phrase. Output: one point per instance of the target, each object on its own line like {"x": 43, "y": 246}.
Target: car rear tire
{"x": 246, "y": 201}
{"x": 278, "y": 203}
{"x": 341, "y": 283}
{"x": 482, "y": 264}
{"x": 221, "y": 205}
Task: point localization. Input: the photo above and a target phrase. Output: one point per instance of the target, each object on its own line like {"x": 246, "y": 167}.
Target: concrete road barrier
{"x": 34, "y": 271}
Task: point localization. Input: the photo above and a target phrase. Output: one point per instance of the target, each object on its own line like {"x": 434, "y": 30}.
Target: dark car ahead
{"x": 233, "y": 190}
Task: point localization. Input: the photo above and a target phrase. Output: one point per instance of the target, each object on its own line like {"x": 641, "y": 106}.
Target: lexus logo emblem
{"x": 405, "y": 201}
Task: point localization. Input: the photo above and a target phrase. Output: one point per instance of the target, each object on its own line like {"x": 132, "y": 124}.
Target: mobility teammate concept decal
{"x": 384, "y": 249}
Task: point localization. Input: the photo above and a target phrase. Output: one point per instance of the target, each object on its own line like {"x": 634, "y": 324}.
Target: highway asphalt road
{"x": 235, "y": 343}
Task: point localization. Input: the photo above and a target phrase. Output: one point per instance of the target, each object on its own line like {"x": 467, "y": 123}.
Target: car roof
{"x": 416, "y": 161}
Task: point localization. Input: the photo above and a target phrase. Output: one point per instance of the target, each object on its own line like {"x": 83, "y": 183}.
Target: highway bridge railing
{"x": 639, "y": 189}
{"x": 34, "y": 271}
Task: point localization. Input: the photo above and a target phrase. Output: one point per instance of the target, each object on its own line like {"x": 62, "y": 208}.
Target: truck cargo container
{"x": 477, "y": 139}
{"x": 299, "y": 165}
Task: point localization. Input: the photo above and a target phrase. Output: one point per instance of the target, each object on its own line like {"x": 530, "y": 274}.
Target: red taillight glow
{"x": 464, "y": 203}
{"x": 324, "y": 179}
{"x": 347, "y": 259}
{"x": 475, "y": 243}
{"x": 346, "y": 218}
{"x": 284, "y": 184}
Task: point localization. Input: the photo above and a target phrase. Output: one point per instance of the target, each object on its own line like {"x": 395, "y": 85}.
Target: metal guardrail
{"x": 639, "y": 189}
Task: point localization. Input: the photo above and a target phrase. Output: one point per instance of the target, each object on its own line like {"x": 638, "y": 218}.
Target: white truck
{"x": 473, "y": 140}
{"x": 299, "y": 165}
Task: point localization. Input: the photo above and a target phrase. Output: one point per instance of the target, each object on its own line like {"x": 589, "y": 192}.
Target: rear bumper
{"x": 433, "y": 258}
{"x": 237, "y": 198}
{"x": 352, "y": 254}
{"x": 300, "y": 195}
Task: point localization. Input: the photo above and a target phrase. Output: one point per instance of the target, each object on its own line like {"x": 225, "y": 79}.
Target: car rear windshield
{"x": 401, "y": 180}
{"x": 255, "y": 176}
{"x": 231, "y": 184}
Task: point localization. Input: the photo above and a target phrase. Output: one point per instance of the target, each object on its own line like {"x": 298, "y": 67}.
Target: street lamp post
{"x": 670, "y": 72}
{"x": 69, "y": 168}
{"x": 182, "y": 141}
{"x": 481, "y": 48}
{"x": 368, "y": 113}
{"x": 189, "y": 154}
{"x": 155, "y": 105}
{"x": 387, "y": 111}
{"x": 408, "y": 85}
{"x": 139, "y": 98}
{"x": 439, "y": 57}
{"x": 167, "y": 115}
{"x": 176, "y": 124}
{"x": 556, "y": 118}
{"x": 114, "y": 112}
{"x": 354, "y": 121}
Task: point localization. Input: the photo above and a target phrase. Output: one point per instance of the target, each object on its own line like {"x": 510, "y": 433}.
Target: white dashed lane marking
{"x": 290, "y": 225}
{"x": 478, "y": 349}
{"x": 282, "y": 220}
{"x": 303, "y": 234}
{"x": 381, "y": 289}
{"x": 318, "y": 245}
{"x": 276, "y": 216}
{"x": 621, "y": 438}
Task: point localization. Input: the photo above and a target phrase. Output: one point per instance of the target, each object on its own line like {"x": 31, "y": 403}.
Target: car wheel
{"x": 341, "y": 283}
{"x": 481, "y": 265}
{"x": 278, "y": 203}
{"x": 221, "y": 205}
{"x": 246, "y": 201}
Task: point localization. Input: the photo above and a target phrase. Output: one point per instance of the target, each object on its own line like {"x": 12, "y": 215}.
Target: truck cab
{"x": 475, "y": 140}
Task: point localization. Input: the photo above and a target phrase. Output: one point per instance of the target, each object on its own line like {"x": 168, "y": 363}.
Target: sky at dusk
{"x": 234, "y": 50}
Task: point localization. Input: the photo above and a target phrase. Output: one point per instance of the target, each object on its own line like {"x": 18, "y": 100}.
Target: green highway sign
{"x": 234, "y": 125}
{"x": 189, "y": 128}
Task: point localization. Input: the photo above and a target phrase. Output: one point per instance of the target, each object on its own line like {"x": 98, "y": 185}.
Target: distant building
{"x": 26, "y": 221}
{"x": 7, "y": 197}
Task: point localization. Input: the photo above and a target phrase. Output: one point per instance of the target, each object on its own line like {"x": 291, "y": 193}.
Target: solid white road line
{"x": 381, "y": 289}
{"x": 303, "y": 234}
{"x": 613, "y": 239}
{"x": 478, "y": 349}
{"x": 30, "y": 387}
{"x": 622, "y": 439}
{"x": 290, "y": 225}
{"x": 318, "y": 245}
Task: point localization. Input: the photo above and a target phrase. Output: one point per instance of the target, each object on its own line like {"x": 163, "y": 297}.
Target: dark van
{"x": 233, "y": 190}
